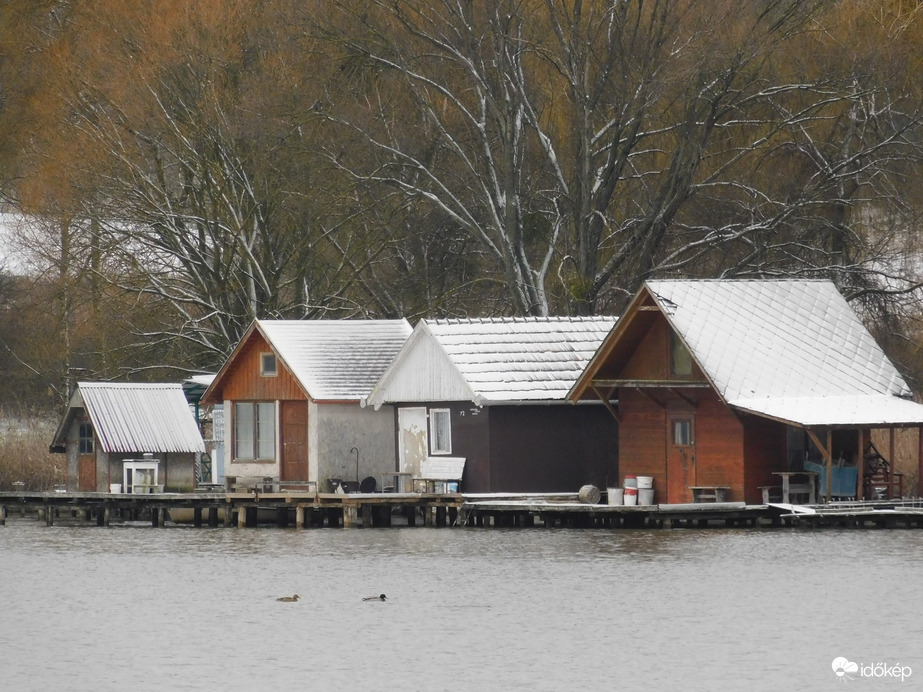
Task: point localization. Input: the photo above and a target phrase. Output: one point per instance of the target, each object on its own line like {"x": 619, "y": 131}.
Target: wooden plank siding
{"x": 243, "y": 381}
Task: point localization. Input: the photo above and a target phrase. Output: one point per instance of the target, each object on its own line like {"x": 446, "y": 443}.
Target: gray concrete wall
{"x": 338, "y": 428}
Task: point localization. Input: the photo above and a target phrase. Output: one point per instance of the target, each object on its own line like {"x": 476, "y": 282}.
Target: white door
{"x": 412, "y": 444}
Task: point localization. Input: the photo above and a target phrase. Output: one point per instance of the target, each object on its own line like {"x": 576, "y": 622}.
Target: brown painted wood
{"x": 294, "y": 424}
{"x": 86, "y": 473}
{"x": 243, "y": 381}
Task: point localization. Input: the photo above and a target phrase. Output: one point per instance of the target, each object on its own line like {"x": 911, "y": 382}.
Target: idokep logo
{"x": 847, "y": 670}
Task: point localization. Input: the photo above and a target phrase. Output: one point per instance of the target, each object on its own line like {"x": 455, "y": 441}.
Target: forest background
{"x": 170, "y": 170}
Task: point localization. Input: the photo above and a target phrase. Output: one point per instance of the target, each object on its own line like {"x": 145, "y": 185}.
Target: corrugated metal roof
{"x": 140, "y": 417}
{"x": 336, "y": 359}
{"x": 492, "y": 360}
{"x": 792, "y": 350}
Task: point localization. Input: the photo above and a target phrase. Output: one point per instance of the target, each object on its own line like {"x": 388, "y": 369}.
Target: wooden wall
{"x": 765, "y": 449}
{"x": 242, "y": 380}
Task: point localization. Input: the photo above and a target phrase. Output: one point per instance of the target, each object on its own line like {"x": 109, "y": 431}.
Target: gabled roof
{"x": 333, "y": 360}
{"x": 130, "y": 418}
{"x": 491, "y": 360}
{"x": 789, "y": 350}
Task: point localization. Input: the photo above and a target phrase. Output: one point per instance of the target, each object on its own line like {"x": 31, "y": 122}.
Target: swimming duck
{"x": 288, "y": 599}
{"x": 379, "y": 597}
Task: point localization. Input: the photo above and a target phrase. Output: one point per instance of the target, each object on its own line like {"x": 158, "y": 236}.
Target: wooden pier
{"x": 313, "y": 510}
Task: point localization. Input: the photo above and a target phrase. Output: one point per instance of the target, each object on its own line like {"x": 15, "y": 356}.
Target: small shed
{"x": 736, "y": 383}
{"x": 108, "y": 423}
{"x": 290, "y": 393}
{"x": 493, "y": 391}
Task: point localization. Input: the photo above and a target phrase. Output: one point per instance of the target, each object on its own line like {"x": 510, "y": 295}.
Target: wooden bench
{"x": 715, "y": 493}
{"x": 438, "y": 470}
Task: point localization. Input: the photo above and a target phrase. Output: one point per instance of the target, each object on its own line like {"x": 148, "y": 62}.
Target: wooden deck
{"x": 559, "y": 510}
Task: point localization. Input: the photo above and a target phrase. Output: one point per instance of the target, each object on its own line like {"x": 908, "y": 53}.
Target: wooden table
{"x": 798, "y": 483}
{"x": 715, "y": 493}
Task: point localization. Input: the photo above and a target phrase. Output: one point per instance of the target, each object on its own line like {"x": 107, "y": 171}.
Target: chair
{"x": 881, "y": 482}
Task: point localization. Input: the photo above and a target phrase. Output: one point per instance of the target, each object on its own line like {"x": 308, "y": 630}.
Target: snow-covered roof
{"x": 135, "y": 417}
{"x": 492, "y": 360}
{"x": 336, "y": 359}
{"x": 790, "y": 350}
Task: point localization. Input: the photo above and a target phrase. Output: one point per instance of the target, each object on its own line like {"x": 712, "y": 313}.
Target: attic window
{"x": 680, "y": 358}
{"x": 268, "y": 366}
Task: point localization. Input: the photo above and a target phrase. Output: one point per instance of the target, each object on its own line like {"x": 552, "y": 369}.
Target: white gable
{"x": 492, "y": 360}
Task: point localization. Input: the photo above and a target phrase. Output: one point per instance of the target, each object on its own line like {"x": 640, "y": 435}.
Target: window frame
{"x": 86, "y": 441}
{"x": 261, "y": 431}
{"x": 690, "y": 432}
{"x": 436, "y": 448}
{"x": 266, "y": 372}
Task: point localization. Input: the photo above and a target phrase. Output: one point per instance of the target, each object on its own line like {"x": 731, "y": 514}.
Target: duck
{"x": 288, "y": 599}
{"x": 379, "y": 597}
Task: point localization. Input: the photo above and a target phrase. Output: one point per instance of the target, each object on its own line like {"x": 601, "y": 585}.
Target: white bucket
{"x": 115, "y": 488}
{"x": 631, "y": 482}
{"x": 631, "y": 496}
{"x": 645, "y": 482}
{"x": 451, "y": 487}
{"x": 616, "y": 496}
{"x": 645, "y": 496}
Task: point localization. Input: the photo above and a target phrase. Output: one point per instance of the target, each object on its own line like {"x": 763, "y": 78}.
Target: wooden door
{"x": 86, "y": 473}
{"x": 294, "y": 418}
{"x": 680, "y": 457}
{"x": 413, "y": 444}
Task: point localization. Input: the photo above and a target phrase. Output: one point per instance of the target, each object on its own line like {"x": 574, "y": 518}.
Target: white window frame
{"x": 437, "y": 445}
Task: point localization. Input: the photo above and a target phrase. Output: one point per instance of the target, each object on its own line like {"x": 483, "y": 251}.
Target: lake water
{"x": 176, "y": 608}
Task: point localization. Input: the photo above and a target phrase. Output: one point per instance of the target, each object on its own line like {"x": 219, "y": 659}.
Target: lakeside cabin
{"x": 107, "y": 424}
{"x": 492, "y": 392}
{"x": 290, "y": 393}
{"x": 736, "y": 387}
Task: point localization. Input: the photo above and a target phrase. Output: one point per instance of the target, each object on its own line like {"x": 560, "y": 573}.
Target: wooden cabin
{"x": 108, "y": 424}
{"x": 733, "y": 384}
{"x": 492, "y": 391}
{"x": 290, "y": 393}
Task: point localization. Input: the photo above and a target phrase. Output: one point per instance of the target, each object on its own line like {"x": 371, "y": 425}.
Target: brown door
{"x": 680, "y": 457}
{"x": 86, "y": 473}
{"x": 294, "y": 416}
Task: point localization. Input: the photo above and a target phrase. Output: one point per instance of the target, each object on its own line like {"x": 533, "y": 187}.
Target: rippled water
{"x": 86, "y": 608}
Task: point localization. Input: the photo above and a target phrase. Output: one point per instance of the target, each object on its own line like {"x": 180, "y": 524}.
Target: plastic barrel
{"x": 631, "y": 496}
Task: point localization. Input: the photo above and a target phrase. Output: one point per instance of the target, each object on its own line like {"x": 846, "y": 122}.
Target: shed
{"x": 107, "y": 423}
{"x": 732, "y": 382}
{"x": 290, "y": 392}
{"x": 493, "y": 391}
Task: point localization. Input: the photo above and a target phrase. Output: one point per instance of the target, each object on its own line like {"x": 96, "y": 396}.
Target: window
{"x": 440, "y": 431}
{"x": 682, "y": 433}
{"x": 86, "y": 438}
{"x": 268, "y": 367}
{"x": 254, "y": 431}
{"x": 680, "y": 358}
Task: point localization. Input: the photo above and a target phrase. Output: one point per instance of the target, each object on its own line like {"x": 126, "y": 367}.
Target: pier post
{"x": 197, "y": 517}
{"x": 440, "y": 515}
{"x": 241, "y": 517}
{"x": 2, "y": 515}
{"x": 49, "y": 515}
{"x": 366, "y": 515}
{"x": 350, "y": 516}
{"x": 299, "y": 517}
{"x": 213, "y": 516}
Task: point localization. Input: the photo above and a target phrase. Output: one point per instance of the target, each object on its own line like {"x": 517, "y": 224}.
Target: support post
{"x": 860, "y": 466}
{"x": 2, "y": 515}
{"x": 299, "y": 517}
{"x": 213, "y": 516}
{"x": 197, "y": 517}
{"x": 241, "y": 517}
